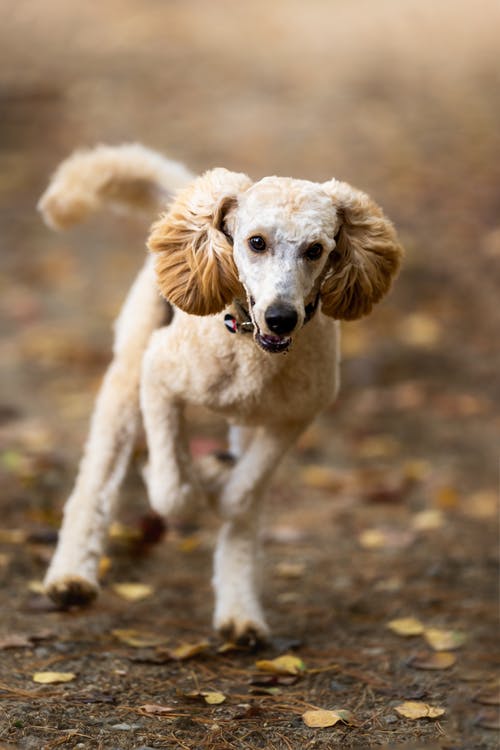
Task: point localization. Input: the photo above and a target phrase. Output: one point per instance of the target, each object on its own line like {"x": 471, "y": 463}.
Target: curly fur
{"x": 366, "y": 258}
{"x": 203, "y": 262}
{"x": 194, "y": 265}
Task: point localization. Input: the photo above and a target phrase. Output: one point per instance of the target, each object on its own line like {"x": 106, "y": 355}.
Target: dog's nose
{"x": 281, "y": 319}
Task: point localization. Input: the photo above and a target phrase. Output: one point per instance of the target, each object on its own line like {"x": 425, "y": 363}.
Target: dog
{"x": 237, "y": 309}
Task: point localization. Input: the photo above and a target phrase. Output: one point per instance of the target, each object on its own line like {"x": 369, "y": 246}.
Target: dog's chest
{"x": 250, "y": 386}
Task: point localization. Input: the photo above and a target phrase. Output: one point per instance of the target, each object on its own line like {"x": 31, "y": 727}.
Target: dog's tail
{"x": 126, "y": 177}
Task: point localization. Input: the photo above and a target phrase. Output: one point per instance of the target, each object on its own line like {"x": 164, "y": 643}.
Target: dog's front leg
{"x": 170, "y": 477}
{"x": 238, "y": 612}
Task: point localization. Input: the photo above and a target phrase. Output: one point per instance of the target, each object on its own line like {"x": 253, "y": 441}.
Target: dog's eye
{"x": 314, "y": 252}
{"x": 257, "y": 243}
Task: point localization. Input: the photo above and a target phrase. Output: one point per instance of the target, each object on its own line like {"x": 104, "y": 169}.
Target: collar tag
{"x": 231, "y": 323}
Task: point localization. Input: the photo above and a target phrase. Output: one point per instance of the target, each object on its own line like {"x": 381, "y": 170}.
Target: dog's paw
{"x": 71, "y": 591}
{"x": 244, "y": 632}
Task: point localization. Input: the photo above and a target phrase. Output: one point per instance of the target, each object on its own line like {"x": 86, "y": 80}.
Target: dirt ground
{"x": 388, "y": 507}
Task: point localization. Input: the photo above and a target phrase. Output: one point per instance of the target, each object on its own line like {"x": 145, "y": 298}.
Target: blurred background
{"x": 399, "y": 98}
{"x": 396, "y": 484}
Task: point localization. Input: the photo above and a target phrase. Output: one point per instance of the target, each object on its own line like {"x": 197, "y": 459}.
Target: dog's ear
{"x": 366, "y": 257}
{"x": 194, "y": 265}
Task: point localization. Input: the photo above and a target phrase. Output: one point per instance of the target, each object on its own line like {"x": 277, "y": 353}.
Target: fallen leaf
{"x": 156, "y": 709}
{"x": 322, "y": 477}
{"x": 188, "y": 650}
{"x": 213, "y": 698}
{"x": 122, "y": 532}
{"x": 290, "y": 569}
{"x": 427, "y": 520}
{"x": 433, "y": 660}
{"x": 12, "y": 536}
{"x": 488, "y": 697}
{"x": 444, "y": 640}
{"x": 36, "y": 587}
{"x": 446, "y": 497}
{"x": 386, "y": 538}
{"x": 136, "y": 639}
{"x": 419, "y": 710}
{"x": 133, "y": 592}
{"x": 229, "y": 646}
{"x": 488, "y": 719}
{"x": 324, "y": 718}
{"x": 15, "y": 641}
{"x": 286, "y": 664}
{"x": 482, "y": 505}
{"x": 51, "y": 678}
{"x": 104, "y": 566}
{"x": 377, "y": 446}
{"x": 420, "y": 329}
{"x": 406, "y": 626}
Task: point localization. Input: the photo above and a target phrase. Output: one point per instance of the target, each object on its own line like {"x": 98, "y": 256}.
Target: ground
{"x": 388, "y": 506}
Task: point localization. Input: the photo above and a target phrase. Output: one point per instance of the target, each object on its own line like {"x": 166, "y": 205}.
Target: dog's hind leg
{"x": 72, "y": 577}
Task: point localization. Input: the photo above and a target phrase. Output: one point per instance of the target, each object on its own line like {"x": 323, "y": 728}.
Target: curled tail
{"x": 126, "y": 177}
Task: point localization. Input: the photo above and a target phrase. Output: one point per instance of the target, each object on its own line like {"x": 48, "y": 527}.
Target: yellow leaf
{"x": 104, "y": 566}
{"x": 444, "y": 640}
{"x": 50, "y": 678}
{"x": 419, "y": 710}
{"x": 188, "y": 650}
{"x": 321, "y": 477}
{"x": 286, "y": 664}
{"x": 133, "y": 592}
{"x": 420, "y": 329}
{"x": 12, "y": 536}
{"x": 213, "y": 698}
{"x": 406, "y": 626}
{"x": 36, "y": 587}
{"x": 429, "y": 660}
{"x": 136, "y": 639}
{"x": 378, "y": 446}
{"x": 323, "y": 718}
{"x": 427, "y": 520}
{"x": 122, "y": 532}
{"x": 290, "y": 569}
{"x": 372, "y": 539}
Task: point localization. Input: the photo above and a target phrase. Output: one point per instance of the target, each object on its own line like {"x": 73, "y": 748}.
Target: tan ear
{"x": 194, "y": 266}
{"x": 366, "y": 257}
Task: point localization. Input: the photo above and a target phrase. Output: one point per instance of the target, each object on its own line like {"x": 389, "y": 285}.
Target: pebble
{"x": 126, "y": 727}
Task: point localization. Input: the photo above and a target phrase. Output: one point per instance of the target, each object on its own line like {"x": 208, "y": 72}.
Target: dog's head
{"x": 279, "y": 244}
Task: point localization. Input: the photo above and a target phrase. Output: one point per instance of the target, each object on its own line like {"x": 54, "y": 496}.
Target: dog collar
{"x": 244, "y": 324}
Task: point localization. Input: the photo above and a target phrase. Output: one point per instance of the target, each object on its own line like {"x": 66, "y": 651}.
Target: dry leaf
{"x": 427, "y": 520}
{"x": 377, "y": 446}
{"x": 444, "y": 640}
{"x": 488, "y": 719}
{"x": 419, "y": 710}
{"x": 15, "y": 641}
{"x": 209, "y": 696}
{"x": 488, "y": 697}
{"x": 386, "y": 538}
{"x": 228, "y": 646}
{"x": 322, "y": 477}
{"x": 188, "y": 650}
{"x": 213, "y": 698}
{"x": 290, "y": 569}
{"x": 432, "y": 660}
{"x": 133, "y": 592}
{"x": 51, "y": 678}
{"x": 323, "y": 718}
{"x": 136, "y": 639}
{"x": 122, "y": 532}
{"x": 104, "y": 566}
{"x": 12, "y": 536}
{"x": 286, "y": 664}
{"x": 482, "y": 505}
{"x": 156, "y": 709}
{"x": 36, "y": 587}
{"x": 420, "y": 329}
{"x": 406, "y": 626}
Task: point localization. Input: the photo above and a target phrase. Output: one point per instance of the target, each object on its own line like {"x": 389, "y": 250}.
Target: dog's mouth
{"x": 274, "y": 344}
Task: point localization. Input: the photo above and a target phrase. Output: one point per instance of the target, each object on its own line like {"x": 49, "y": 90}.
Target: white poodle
{"x": 256, "y": 276}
